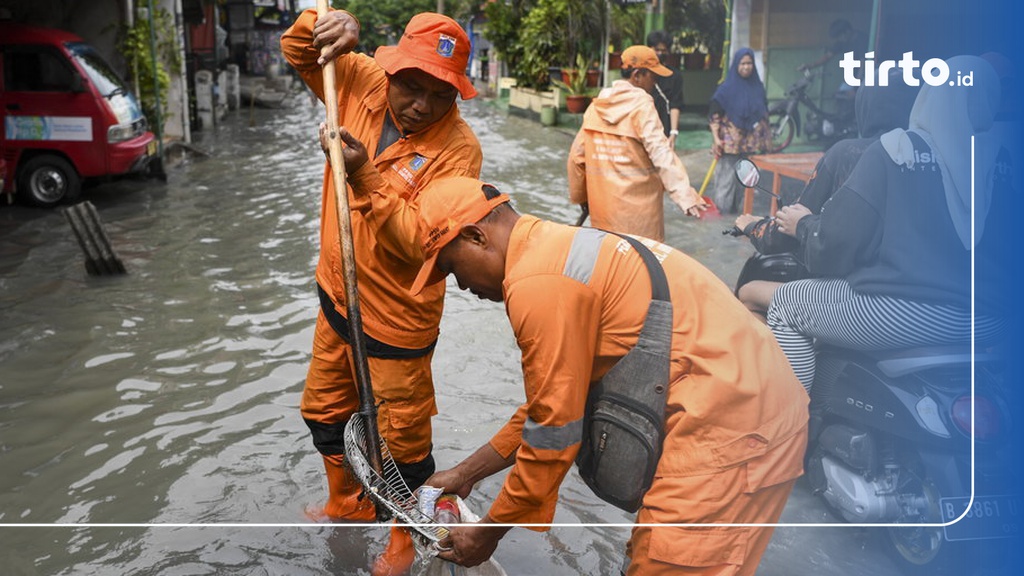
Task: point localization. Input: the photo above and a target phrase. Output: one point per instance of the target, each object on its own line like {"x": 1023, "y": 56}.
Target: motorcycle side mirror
{"x": 747, "y": 173}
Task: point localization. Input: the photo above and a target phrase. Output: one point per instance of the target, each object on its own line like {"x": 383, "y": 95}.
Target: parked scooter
{"x": 784, "y": 117}
{"x": 890, "y": 442}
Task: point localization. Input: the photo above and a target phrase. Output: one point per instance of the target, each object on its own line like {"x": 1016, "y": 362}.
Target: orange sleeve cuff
{"x": 366, "y": 180}
{"x": 506, "y": 510}
{"x": 507, "y": 440}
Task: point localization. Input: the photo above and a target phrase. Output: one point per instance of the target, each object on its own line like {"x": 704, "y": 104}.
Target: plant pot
{"x": 593, "y": 78}
{"x": 615, "y": 61}
{"x": 548, "y": 115}
{"x": 694, "y": 60}
{"x": 576, "y": 103}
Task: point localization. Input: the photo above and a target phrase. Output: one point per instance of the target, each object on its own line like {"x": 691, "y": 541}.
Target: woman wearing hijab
{"x": 739, "y": 126}
{"x": 894, "y": 244}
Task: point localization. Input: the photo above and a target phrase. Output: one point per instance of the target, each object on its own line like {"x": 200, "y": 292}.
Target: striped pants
{"x": 830, "y": 311}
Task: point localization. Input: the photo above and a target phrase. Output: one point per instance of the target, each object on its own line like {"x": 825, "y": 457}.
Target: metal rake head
{"x": 388, "y": 489}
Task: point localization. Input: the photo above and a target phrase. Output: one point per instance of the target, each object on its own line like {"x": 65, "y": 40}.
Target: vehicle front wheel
{"x": 783, "y": 127}
{"x": 48, "y": 180}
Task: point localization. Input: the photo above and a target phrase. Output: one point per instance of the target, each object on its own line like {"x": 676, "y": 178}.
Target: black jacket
{"x": 887, "y": 230}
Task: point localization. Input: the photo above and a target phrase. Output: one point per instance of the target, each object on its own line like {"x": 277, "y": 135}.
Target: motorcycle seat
{"x": 896, "y": 363}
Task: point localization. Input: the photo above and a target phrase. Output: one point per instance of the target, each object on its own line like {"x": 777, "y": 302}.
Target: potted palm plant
{"x": 574, "y": 82}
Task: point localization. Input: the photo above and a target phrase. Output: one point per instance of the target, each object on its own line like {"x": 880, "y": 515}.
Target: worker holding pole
{"x": 398, "y": 117}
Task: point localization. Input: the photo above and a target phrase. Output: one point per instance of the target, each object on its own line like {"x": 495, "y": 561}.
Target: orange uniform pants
{"x": 709, "y": 551}
{"x": 403, "y": 388}
{"x": 726, "y": 497}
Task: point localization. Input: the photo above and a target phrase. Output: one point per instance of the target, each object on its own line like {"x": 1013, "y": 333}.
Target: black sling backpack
{"x": 624, "y": 422}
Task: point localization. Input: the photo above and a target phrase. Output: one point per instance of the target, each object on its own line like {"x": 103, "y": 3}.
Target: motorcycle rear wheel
{"x": 783, "y": 127}
{"x": 923, "y": 551}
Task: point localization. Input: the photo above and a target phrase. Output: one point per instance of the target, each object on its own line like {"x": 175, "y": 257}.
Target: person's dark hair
{"x": 627, "y": 72}
{"x": 490, "y": 192}
{"x": 659, "y": 37}
{"x": 839, "y": 27}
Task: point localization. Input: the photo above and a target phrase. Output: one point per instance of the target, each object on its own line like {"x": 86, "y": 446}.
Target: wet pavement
{"x": 167, "y": 397}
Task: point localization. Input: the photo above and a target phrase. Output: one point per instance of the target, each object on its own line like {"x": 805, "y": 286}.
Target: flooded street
{"x": 170, "y": 395}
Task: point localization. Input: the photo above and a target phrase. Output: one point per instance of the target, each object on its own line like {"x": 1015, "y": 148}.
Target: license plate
{"x": 151, "y": 148}
{"x": 989, "y": 517}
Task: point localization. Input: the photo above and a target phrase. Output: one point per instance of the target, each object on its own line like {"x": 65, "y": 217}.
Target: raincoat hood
{"x": 615, "y": 102}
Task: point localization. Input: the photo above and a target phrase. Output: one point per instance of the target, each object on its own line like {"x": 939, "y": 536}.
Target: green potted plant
{"x": 694, "y": 51}
{"x": 701, "y": 26}
{"x": 574, "y": 82}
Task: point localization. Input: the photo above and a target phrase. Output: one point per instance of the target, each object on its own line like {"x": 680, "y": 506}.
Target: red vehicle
{"x": 66, "y": 116}
{"x": 3, "y": 172}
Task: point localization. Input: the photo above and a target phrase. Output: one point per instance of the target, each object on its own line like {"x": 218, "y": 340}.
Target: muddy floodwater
{"x": 168, "y": 396}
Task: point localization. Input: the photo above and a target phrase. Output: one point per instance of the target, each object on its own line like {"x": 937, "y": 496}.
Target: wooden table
{"x": 799, "y": 166}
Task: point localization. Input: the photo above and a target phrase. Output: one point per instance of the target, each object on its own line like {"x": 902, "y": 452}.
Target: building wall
{"x": 803, "y": 23}
{"x": 789, "y": 33}
{"x": 98, "y": 23}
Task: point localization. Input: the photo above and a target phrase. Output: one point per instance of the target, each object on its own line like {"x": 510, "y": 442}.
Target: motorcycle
{"x": 785, "y": 118}
{"x": 890, "y": 442}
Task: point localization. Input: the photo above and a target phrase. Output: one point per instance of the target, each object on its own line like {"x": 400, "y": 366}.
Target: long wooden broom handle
{"x": 367, "y": 407}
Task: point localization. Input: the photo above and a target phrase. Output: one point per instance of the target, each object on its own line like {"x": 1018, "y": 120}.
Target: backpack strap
{"x": 659, "y": 282}
{"x": 586, "y": 246}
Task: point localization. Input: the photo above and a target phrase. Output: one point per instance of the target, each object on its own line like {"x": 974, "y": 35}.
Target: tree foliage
{"x": 135, "y": 45}
{"x": 700, "y": 24}
{"x": 504, "y": 21}
{"x": 382, "y": 21}
{"x": 627, "y": 25}
{"x": 532, "y": 35}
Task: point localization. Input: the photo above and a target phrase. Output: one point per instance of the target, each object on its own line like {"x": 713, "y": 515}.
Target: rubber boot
{"x": 398, "y": 556}
{"x": 343, "y": 501}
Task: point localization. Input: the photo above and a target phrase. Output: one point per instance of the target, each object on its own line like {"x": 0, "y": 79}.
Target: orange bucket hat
{"x": 435, "y": 44}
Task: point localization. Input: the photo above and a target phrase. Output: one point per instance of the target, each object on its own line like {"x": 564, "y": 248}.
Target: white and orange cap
{"x": 445, "y": 206}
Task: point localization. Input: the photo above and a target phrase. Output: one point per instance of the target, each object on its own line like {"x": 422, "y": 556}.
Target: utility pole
{"x": 440, "y": 6}
{"x": 654, "y": 21}
{"x": 606, "y": 41}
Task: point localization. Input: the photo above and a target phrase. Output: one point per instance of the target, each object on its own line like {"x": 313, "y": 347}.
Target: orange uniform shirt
{"x": 382, "y": 195}
{"x": 733, "y": 398}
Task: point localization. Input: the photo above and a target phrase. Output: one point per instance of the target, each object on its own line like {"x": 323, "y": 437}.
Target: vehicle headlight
{"x": 120, "y": 133}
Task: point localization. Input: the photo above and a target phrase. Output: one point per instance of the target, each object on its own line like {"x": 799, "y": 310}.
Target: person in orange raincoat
{"x": 398, "y": 110}
{"x": 620, "y": 162}
{"x": 736, "y": 416}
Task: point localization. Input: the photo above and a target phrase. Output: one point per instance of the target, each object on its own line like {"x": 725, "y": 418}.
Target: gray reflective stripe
{"x": 552, "y": 437}
{"x": 583, "y": 254}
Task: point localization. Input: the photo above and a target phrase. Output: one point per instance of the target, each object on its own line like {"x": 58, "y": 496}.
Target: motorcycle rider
{"x": 879, "y": 109}
{"x": 845, "y": 38}
{"x": 894, "y": 244}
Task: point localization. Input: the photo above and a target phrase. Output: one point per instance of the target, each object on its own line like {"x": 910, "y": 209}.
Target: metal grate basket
{"x": 389, "y": 490}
